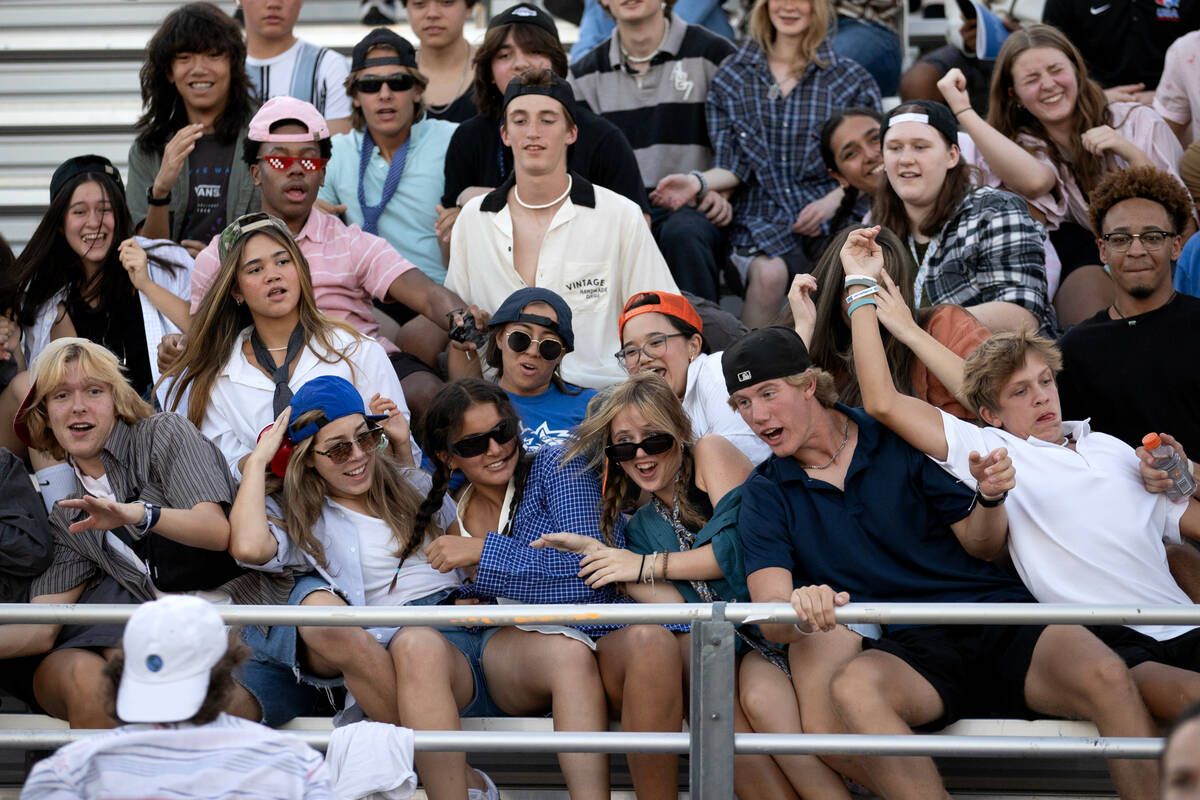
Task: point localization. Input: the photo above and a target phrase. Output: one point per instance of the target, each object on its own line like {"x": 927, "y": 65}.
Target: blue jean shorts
{"x": 470, "y": 642}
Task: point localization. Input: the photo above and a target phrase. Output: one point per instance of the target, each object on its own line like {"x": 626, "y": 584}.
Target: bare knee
{"x": 1105, "y": 678}
{"x": 856, "y": 685}
{"x": 337, "y": 646}
{"x": 414, "y": 650}
{"x": 768, "y": 277}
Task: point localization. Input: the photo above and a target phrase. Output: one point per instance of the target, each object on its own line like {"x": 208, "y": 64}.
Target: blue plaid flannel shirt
{"x": 772, "y": 144}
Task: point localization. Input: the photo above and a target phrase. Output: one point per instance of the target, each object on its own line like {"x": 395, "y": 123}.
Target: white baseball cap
{"x": 171, "y": 646}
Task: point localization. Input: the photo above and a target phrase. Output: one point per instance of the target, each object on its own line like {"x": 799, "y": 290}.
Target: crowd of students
{"x": 440, "y": 328}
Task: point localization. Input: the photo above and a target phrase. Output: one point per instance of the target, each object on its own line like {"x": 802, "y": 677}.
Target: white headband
{"x": 910, "y": 116}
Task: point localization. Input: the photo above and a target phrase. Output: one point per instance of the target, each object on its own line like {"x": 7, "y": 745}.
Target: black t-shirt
{"x": 601, "y": 154}
{"x": 1137, "y": 375}
{"x": 208, "y": 183}
{"x": 1123, "y": 41}
{"x": 122, "y": 330}
{"x": 461, "y": 109}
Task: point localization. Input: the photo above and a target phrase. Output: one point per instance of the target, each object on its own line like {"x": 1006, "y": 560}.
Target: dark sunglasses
{"x": 371, "y": 84}
{"x": 307, "y": 163}
{"x": 477, "y": 443}
{"x": 652, "y": 445}
{"x": 368, "y": 440}
{"x": 549, "y": 349}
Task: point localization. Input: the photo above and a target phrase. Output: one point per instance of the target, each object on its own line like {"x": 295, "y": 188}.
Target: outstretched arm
{"x": 917, "y": 422}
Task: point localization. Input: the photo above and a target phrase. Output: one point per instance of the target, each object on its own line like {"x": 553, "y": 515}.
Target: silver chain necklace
{"x": 836, "y": 453}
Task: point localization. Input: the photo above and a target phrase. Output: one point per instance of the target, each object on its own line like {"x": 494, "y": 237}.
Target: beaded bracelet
{"x": 866, "y": 301}
{"x": 859, "y": 295}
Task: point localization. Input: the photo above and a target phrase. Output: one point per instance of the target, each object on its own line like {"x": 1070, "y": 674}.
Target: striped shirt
{"x": 164, "y": 460}
{"x": 772, "y": 142}
{"x": 661, "y": 110}
{"x": 228, "y": 757}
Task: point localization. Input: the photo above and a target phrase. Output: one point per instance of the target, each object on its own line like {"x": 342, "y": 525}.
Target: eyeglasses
{"x": 371, "y": 84}
{"x": 368, "y": 440}
{"x": 653, "y": 347}
{"x": 307, "y": 163}
{"x": 477, "y": 443}
{"x": 548, "y": 349}
{"x": 1151, "y": 240}
{"x": 652, "y": 445}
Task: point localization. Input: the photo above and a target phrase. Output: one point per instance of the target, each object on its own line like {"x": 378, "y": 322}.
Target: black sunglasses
{"x": 652, "y": 445}
{"x": 548, "y": 349}
{"x": 477, "y": 443}
{"x": 371, "y": 84}
{"x": 368, "y": 440}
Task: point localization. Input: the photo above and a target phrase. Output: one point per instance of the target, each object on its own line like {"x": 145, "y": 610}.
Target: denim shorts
{"x": 471, "y": 643}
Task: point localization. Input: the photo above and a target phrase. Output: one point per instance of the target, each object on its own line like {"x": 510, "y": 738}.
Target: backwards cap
{"x": 673, "y": 305}
{"x": 930, "y": 113}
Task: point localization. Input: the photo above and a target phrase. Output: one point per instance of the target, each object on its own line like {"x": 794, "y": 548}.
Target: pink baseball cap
{"x": 278, "y": 109}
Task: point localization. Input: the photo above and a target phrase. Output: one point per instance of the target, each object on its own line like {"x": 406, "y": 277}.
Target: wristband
{"x": 961, "y": 111}
{"x": 990, "y": 502}
{"x": 156, "y": 201}
{"x": 859, "y": 280}
{"x": 800, "y": 630}
{"x": 866, "y": 301}
{"x": 859, "y": 295}
{"x": 703, "y": 183}
{"x": 153, "y": 512}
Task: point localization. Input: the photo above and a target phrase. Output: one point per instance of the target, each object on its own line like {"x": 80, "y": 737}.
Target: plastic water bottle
{"x": 1166, "y": 459}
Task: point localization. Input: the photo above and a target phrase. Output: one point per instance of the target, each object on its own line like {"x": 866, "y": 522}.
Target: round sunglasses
{"x": 371, "y": 84}
{"x": 368, "y": 440}
{"x": 548, "y": 349}
{"x": 477, "y": 443}
{"x": 653, "y": 445}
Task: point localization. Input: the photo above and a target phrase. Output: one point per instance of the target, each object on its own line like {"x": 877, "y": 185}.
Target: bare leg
{"x": 1085, "y": 291}
{"x": 433, "y": 681}
{"x": 877, "y": 692}
{"x": 766, "y": 289}
{"x": 1184, "y": 561}
{"x": 770, "y": 706}
{"x": 1166, "y": 690}
{"x": 354, "y": 654}
{"x": 528, "y": 672}
{"x": 643, "y": 678}
{"x": 10, "y": 401}
{"x": 70, "y": 684}
{"x": 243, "y": 704}
{"x": 419, "y": 389}
{"x": 1074, "y": 674}
{"x": 423, "y": 339}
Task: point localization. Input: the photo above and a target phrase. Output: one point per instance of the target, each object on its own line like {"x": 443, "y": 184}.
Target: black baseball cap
{"x": 80, "y": 165}
{"x": 559, "y": 89}
{"x": 407, "y": 55}
{"x": 938, "y": 115}
{"x": 512, "y": 310}
{"x": 525, "y": 14}
{"x": 764, "y": 354}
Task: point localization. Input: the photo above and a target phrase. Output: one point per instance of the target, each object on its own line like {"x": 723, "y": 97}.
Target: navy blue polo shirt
{"x": 885, "y": 538}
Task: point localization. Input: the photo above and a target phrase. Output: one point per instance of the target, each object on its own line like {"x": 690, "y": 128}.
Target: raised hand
{"x": 953, "y": 87}
{"x": 994, "y": 473}
{"x": 270, "y": 439}
{"x": 175, "y": 156}
{"x": 861, "y": 254}
{"x": 804, "y": 310}
{"x": 133, "y": 259}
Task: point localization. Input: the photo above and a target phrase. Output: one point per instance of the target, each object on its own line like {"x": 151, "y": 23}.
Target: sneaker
{"x": 488, "y": 793}
{"x": 377, "y": 12}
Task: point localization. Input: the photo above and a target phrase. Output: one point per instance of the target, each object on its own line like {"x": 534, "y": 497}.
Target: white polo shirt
{"x": 597, "y": 252}
{"x": 1082, "y": 527}
{"x": 241, "y": 402}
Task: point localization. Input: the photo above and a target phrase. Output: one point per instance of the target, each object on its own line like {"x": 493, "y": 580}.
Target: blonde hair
{"x": 357, "y": 120}
{"x": 302, "y": 492}
{"x": 662, "y": 410}
{"x": 49, "y": 371}
{"x": 763, "y": 30}
{"x": 991, "y": 365}
{"x": 220, "y": 320}
{"x": 826, "y": 391}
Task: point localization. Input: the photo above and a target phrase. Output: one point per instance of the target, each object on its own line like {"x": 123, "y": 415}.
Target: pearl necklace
{"x": 554, "y": 202}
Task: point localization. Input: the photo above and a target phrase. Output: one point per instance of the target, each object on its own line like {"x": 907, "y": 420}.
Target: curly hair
{"x": 987, "y": 369}
{"x": 1146, "y": 182}
{"x": 193, "y": 28}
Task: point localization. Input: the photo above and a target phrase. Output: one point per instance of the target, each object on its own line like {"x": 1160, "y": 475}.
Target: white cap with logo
{"x": 171, "y": 646}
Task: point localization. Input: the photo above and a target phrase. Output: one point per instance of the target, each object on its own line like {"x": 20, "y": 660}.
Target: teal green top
{"x": 649, "y": 533}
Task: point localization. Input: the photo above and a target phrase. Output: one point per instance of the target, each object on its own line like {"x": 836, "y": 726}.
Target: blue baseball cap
{"x": 510, "y": 311}
{"x": 333, "y": 396}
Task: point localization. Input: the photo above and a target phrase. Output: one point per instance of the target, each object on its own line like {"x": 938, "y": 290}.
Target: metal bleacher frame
{"x": 710, "y": 742}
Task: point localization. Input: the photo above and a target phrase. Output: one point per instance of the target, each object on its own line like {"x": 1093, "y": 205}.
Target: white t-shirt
{"x": 322, "y": 82}
{"x": 377, "y": 554}
{"x": 706, "y": 402}
{"x": 1082, "y": 527}
{"x": 1177, "y": 98}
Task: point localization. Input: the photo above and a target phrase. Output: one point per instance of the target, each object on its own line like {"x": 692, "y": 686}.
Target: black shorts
{"x": 1076, "y": 247}
{"x": 1135, "y": 647}
{"x": 406, "y": 364}
{"x": 977, "y": 670}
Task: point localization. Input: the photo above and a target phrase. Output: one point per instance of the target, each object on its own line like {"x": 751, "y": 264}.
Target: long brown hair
{"x": 887, "y": 209}
{"x": 831, "y": 348}
{"x": 1091, "y": 106}
{"x": 390, "y": 497}
{"x": 489, "y": 99}
{"x": 658, "y": 405}
{"x": 220, "y": 320}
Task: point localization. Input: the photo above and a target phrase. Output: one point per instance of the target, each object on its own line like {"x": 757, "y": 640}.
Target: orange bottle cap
{"x": 1151, "y": 441}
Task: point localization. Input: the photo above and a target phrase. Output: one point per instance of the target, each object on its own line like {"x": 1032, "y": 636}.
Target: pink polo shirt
{"x": 348, "y": 267}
